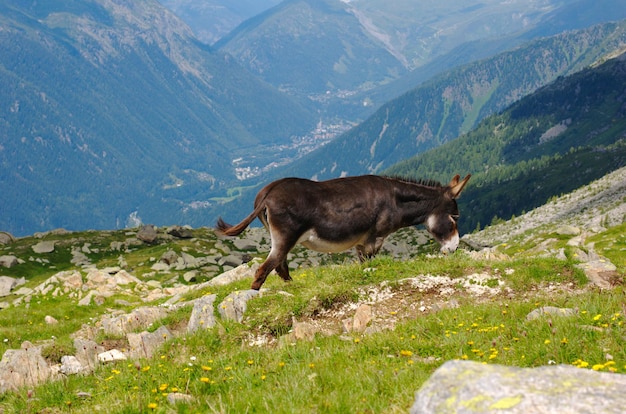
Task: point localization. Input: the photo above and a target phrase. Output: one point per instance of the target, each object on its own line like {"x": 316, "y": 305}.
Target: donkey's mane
{"x": 421, "y": 181}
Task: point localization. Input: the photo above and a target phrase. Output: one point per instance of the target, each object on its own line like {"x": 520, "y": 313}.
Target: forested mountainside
{"x": 111, "y": 107}
{"x": 565, "y": 135}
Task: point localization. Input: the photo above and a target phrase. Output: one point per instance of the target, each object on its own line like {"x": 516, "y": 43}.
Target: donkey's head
{"x": 441, "y": 222}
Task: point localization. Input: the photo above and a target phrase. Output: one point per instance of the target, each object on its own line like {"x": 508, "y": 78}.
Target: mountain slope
{"x": 115, "y": 107}
{"x": 346, "y": 55}
{"x": 310, "y": 47}
{"x": 454, "y": 102}
{"x": 210, "y": 20}
{"x": 561, "y": 137}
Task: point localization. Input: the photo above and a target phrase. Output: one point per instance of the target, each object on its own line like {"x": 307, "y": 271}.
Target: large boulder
{"x": 465, "y": 387}
{"x": 23, "y": 367}
{"x": 148, "y": 234}
{"x": 46, "y": 246}
{"x": 8, "y": 261}
{"x": 7, "y": 284}
{"x": 6, "y": 238}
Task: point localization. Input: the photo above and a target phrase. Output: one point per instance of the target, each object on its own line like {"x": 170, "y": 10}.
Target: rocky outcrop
{"x": 6, "y": 238}
{"x": 8, "y": 261}
{"x": 148, "y": 234}
{"x": 23, "y": 367}
{"x": 465, "y": 387}
{"x": 7, "y": 284}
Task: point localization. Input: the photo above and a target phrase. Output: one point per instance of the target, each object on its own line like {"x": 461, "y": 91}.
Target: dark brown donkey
{"x": 335, "y": 215}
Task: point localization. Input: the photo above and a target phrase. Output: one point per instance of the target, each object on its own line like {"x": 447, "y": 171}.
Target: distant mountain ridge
{"x": 352, "y": 57}
{"x": 113, "y": 107}
{"x": 212, "y": 19}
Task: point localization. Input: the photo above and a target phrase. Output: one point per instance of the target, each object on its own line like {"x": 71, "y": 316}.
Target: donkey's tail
{"x": 224, "y": 228}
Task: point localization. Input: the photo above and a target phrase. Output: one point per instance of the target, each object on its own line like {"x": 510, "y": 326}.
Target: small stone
{"x": 50, "y": 320}
{"x": 174, "y": 398}
{"x": 362, "y": 318}
{"x": 550, "y": 310}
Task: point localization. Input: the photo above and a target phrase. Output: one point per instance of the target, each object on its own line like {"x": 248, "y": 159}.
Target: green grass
{"x": 378, "y": 372}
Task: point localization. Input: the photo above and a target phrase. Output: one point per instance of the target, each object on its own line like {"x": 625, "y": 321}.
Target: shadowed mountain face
{"x": 112, "y": 107}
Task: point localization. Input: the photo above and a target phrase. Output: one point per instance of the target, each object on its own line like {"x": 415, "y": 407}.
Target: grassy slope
{"x": 379, "y": 372}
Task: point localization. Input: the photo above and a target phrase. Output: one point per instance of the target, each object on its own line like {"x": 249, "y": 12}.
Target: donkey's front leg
{"x": 370, "y": 248}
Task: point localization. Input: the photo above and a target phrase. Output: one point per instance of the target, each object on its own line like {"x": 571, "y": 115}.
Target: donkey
{"x": 336, "y": 215}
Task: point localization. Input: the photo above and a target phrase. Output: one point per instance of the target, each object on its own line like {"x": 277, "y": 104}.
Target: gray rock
{"x": 230, "y": 260}
{"x": 169, "y": 257}
{"x": 50, "y": 320}
{"x": 70, "y": 365}
{"x": 191, "y": 276}
{"x": 23, "y": 367}
{"x": 551, "y": 311}
{"x": 147, "y": 234}
{"x": 71, "y": 279}
{"x": 189, "y": 261}
{"x": 6, "y": 238}
{"x": 234, "y": 305}
{"x": 87, "y": 352}
{"x": 160, "y": 267}
{"x": 139, "y": 318}
{"x": 86, "y": 301}
{"x": 112, "y": 356}
{"x": 144, "y": 344}
{"x": 567, "y": 230}
{"x": 180, "y": 232}
{"x": 203, "y": 314}
{"x": 44, "y": 247}
{"x": 6, "y": 285}
{"x": 243, "y": 244}
{"x": 241, "y": 272}
{"x": 465, "y": 387}
{"x": 8, "y": 261}
{"x": 362, "y": 318}
{"x": 174, "y": 398}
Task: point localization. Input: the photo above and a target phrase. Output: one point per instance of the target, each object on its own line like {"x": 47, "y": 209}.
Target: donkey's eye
{"x": 454, "y": 217}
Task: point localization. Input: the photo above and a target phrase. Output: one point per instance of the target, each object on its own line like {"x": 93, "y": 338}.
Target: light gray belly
{"x": 311, "y": 240}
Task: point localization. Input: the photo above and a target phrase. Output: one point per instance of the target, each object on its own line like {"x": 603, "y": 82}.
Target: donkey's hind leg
{"x": 273, "y": 261}
{"x": 277, "y": 259}
{"x": 283, "y": 271}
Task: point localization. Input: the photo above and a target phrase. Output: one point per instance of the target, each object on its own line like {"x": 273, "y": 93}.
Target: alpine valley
{"x": 117, "y": 112}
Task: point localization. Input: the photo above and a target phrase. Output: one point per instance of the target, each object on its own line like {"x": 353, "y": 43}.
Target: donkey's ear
{"x": 456, "y": 187}
{"x": 454, "y": 181}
